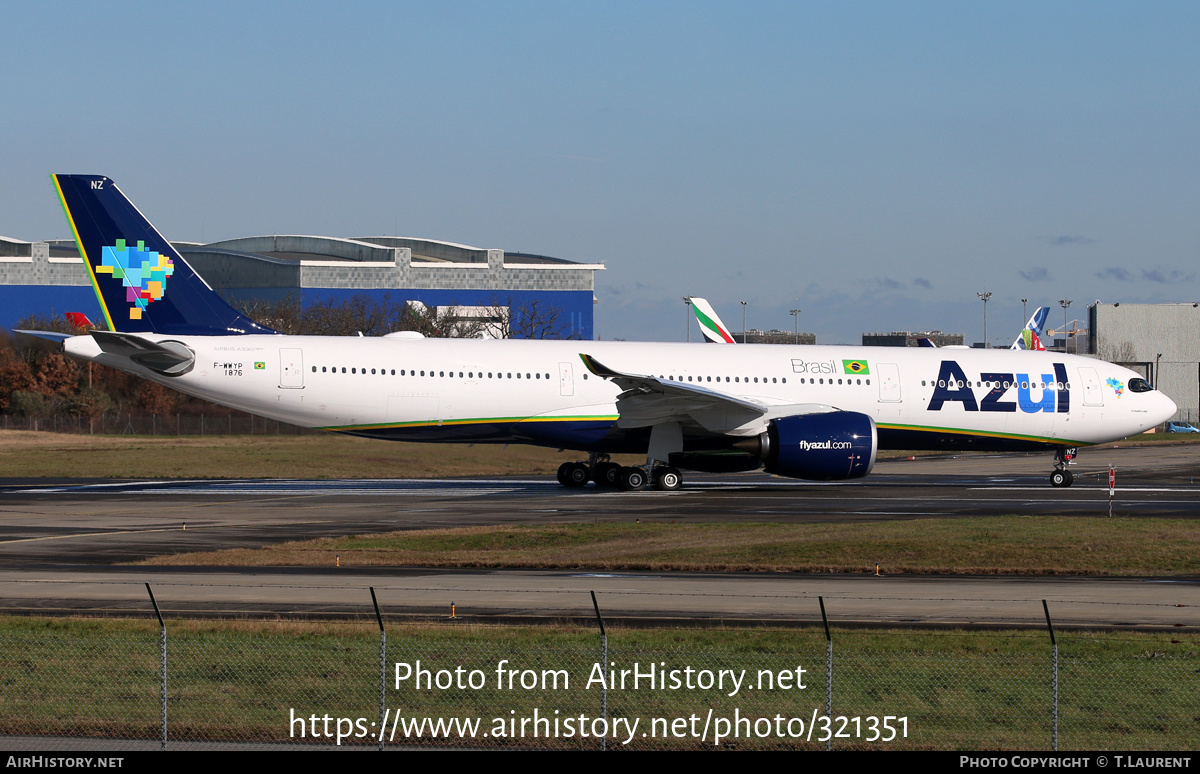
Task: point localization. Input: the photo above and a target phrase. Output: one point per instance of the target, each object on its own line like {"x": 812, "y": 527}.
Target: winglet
{"x": 597, "y": 368}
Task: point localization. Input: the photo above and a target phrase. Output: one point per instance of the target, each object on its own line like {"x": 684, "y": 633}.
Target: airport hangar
{"x": 43, "y": 278}
{"x": 1160, "y": 341}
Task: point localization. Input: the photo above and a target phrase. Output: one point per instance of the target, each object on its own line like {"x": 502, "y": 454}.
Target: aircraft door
{"x": 566, "y": 381}
{"x": 291, "y": 369}
{"x": 889, "y": 383}
{"x": 1093, "y": 395}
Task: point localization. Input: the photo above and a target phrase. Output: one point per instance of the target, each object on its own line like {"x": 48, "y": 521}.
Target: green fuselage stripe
{"x": 474, "y": 421}
{"x": 983, "y": 433}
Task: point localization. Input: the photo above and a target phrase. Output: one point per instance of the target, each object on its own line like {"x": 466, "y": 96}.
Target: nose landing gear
{"x": 1062, "y": 477}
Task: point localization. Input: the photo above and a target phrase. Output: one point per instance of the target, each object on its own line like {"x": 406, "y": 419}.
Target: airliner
{"x": 807, "y": 412}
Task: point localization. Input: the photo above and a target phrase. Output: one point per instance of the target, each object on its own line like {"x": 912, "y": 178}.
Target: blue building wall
{"x": 20, "y": 301}
{"x": 574, "y": 306}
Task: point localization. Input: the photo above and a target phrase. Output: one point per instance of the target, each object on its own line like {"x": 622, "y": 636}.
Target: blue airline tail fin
{"x": 1031, "y": 334}
{"x": 141, "y": 281}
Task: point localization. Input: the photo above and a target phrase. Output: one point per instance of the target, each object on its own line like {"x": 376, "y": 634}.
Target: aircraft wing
{"x": 647, "y": 400}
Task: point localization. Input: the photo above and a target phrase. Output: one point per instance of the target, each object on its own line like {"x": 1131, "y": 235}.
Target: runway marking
{"x": 181, "y": 528}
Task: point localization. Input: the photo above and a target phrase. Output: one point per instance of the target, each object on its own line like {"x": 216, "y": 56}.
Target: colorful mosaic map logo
{"x": 144, "y": 273}
{"x": 1118, "y": 386}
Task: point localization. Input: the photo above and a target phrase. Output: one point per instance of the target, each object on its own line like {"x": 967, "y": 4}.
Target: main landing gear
{"x": 609, "y": 475}
{"x": 1061, "y": 477}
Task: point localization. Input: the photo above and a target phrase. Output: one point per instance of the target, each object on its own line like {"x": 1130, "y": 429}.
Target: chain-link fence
{"x": 445, "y": 684}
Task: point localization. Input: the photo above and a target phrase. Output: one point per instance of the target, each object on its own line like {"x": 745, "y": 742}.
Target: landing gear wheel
{"x": 1061, "y": 478}
{"x": 562, "y": 472}
{"x": 631, "y": 479}
{"x": 606, "y": 474}
{"x": 667, "y": 479}
{"x": 574, "y": 474}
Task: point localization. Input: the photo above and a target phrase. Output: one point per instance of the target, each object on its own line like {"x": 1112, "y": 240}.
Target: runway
{"x": 508, "y": 595}
{"x": 58, "y": 541}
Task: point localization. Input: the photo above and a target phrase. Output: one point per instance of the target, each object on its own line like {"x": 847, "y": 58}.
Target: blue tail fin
{"x": 143, "y": 284}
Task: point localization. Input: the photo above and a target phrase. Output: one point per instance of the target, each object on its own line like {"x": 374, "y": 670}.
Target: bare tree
{"x": 533, "y": 318}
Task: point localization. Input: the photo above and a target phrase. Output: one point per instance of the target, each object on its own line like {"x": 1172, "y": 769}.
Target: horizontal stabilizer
{"x": 54, "y": 336}
{"x": 169, "y": 358}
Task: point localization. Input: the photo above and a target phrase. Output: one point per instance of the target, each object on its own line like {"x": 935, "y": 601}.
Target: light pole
{"x": 984, "y": 297}
{"x": 687, "y": 311}
{"x": 1024, "y": 312}
{"x": 795, "y": 313}
{"x": 743, "y": 303}
{"x": 1064, "y": 303}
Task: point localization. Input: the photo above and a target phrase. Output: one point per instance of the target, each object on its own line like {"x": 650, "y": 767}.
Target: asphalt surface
{"x": 59, "y": 540}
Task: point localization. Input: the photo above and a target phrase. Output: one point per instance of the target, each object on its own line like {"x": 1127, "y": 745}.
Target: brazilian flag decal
{"x": 855, "y": 367}
{"x": 260, "y": 365}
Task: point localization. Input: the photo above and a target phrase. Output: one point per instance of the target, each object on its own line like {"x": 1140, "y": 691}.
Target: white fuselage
{"x": 494, "y": 391}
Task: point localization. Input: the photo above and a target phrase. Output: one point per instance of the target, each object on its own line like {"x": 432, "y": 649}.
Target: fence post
{"x": 1053, "y": 680}
{"x": 603, "y": 667}
{"x": 828, "y": 672}
{"x": 382, "y": 666}
{"x": 162, "y": 648}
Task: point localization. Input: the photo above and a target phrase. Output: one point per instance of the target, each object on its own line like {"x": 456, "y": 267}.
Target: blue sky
{"x": 873, "y": 164}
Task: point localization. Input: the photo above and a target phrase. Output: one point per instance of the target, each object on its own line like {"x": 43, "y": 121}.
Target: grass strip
{"x": 246, "y": 680}
{"x": 26, "y": 454}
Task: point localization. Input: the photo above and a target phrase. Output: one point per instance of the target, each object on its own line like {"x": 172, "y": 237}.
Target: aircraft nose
{"x": 1168, "y": 408}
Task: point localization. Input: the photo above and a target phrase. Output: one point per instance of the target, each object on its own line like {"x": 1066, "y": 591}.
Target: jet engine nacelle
{"x": 820, "y": 447}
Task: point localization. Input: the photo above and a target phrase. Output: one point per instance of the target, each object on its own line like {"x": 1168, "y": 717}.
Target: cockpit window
{"x": 1139, "y": 385}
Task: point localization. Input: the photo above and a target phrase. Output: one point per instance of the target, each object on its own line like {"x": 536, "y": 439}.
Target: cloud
{"x": 922, "y": 282}
{"x": 1166, "y": 277}
{"x": 1115, "y": 272}
{"x": 1036, "y": 274}
{"x": 1062, "y": 241}
{"x": 887, "y": 283}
